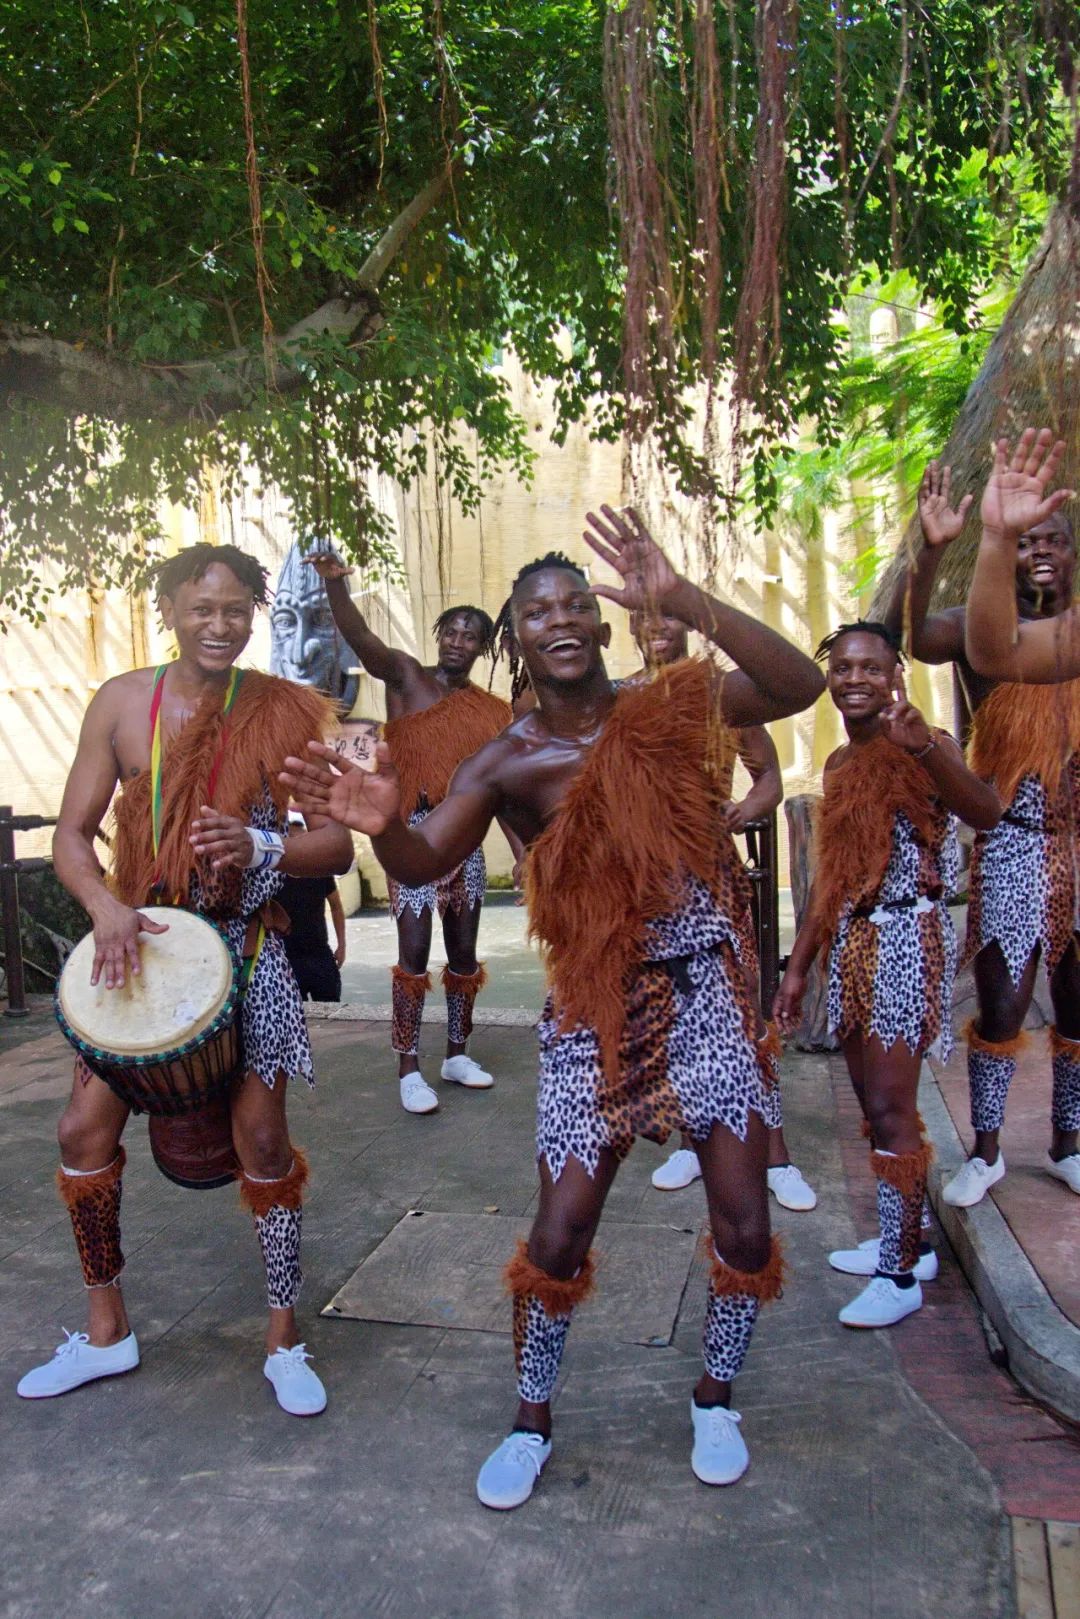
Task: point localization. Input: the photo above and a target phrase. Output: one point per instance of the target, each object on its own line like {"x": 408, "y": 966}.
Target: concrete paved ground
{"x": 182, "y": 1488}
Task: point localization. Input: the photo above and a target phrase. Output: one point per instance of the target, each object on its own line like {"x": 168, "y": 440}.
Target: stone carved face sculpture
{"x": 304, "y": 642}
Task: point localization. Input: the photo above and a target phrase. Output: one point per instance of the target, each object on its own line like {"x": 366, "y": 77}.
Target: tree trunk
{"x": 1029, "y": 378}
{"x": 813, "y": 1033}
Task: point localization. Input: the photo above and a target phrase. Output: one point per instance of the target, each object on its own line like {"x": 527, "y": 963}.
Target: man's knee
{"x": 745, "y": 1243}
{"x": 558, "y": 1246}
{"x": 85, "y": 1142}
{"x": 263, "y": 1147}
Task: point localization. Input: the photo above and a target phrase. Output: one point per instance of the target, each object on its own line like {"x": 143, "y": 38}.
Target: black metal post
{"x": 9, "y": 905}
{"x": 765, "y": 904}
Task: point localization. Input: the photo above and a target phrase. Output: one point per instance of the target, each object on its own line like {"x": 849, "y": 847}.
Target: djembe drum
{"x": 167, "y": 1042}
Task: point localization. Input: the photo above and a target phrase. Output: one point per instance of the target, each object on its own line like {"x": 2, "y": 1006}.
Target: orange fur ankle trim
{"x": 906, "y": 1171}
{"x": 1061, "y": 1045}
{"x": 415, "y": 985}
{"x": 464, "y": 983}
{"x": 558, "y": 1297}
{"x": 74, "y": 1188}
{"x": 770, "y": 1043}
{"x": 992, "y": 1048}
{"x": 764, "y": 1284}
{"x": 287, "y": 1193}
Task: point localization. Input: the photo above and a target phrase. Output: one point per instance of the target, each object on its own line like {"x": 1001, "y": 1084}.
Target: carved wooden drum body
{"x": 168, "y": 1041}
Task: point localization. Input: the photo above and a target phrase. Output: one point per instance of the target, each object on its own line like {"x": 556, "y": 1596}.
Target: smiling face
{"x": 211, "y": 618}
{"x": 460, "y": 644}
{"x": 861, "y": 675}
{"x": 1045, "y": 563}
{"x": 660, "y": 638}
{"x": 558, "y": 628}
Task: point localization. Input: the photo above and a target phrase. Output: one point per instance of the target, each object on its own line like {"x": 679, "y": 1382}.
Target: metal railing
{"x": 761, "y": 868}
{"x": 10, "y": 868}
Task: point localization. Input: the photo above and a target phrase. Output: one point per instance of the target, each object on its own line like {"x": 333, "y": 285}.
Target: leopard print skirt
{"x": 688, "y": 1060}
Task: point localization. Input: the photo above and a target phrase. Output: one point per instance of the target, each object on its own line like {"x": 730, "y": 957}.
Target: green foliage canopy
{"x": 425, "y": 182}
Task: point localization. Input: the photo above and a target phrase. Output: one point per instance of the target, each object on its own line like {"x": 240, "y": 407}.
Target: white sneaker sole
{"x": 88, "y": 1377}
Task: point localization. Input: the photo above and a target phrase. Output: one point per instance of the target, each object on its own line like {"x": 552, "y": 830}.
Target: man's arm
{"x": 87, "y": 796}
{"x": 772, "y": 678}
{"x": 1040, "y": 651}
{"x": 337, "y": 916}
{"x": 937, "y": 637}
{"x": 370, "y": 801}
{"x": 381, "y": 661}
{"x": 758, "y": 753}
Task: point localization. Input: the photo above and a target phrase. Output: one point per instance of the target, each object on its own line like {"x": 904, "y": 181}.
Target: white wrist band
{"x": 267, "y": 849}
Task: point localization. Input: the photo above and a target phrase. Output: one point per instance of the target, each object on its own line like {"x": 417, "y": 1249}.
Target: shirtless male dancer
{"x": 663, "y": 639}
{"x": 434, "y": 718}
{"x": 649, "y": 1026}
{"x": 1026, "y": 739}
{"x": 221, "y": 851}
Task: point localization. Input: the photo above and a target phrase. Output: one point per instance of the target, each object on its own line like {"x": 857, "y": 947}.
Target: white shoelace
{"x": 73, "y": 1342}
{"x": 721, "y": 1422}
{"x": 292, "y": 1360}
{"x": 522, "y": 1446}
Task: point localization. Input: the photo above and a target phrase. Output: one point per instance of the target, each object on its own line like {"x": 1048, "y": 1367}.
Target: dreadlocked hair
{"x": 194, "y": 561}
{"x": 863, "y": 626}
{"x": 505, "y": 644}
{"x": 483, "y": 620}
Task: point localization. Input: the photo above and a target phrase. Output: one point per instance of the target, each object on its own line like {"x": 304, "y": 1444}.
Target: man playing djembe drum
{"x": 200, "y": 821}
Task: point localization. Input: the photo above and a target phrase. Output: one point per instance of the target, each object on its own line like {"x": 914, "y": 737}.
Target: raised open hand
{"x": 623, "y": 541}
{"x": 329, "y": 784}
{"x": 902, "y": 722}
{"x": 940, "y": 524}
{"x": 327, "y": 564}
{"x": 1015, "y": 498}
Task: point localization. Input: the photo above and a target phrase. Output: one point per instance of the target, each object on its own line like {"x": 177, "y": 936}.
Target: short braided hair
{"x": 861, "y": 626}
{"x": 194, "y": 561}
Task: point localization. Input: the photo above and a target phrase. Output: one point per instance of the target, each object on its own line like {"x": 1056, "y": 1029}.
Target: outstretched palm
{"x": 363, "y": 800}
{"x": 624, "y": 542}
{"x": 940, "y": 524}
{"x": 1015, "y": 499}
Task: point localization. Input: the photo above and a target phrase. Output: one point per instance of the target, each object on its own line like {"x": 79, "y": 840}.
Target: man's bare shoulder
{"x": 116, "y": 694}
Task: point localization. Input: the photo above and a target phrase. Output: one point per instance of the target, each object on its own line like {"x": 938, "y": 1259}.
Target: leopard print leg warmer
{"x": 991, "y": 1066}
{"x": 1065, "y": 1108}
{"x": 734, "y": 1299}
{"x": 543, "y": 1306}
{"x": 277, "y": 1206}
{"x": 407, "y": 1003}
{"x": 93, "y": 1202}
{"x": 461, "y": 992}
{"x": 901, "y": 1194}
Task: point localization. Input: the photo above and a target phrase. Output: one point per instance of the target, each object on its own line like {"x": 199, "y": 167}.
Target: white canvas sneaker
{"x": 298, "y": 1390}
{"x": 680, "y": 1170}
{"x": 719, "y": 1455}
{"x": 881, "y": 1304}
{"x": 790, "y": 1190}
{"x": 862, "y": 1261}
{"x": 972, "y": 1181}
{"x": 1066, "y": 1169}
{"x": 509, "y": 1475}
{"x": 417, "y": 1095}
{"x": 78, "y": 1361}
{"x": 461, "y": 1070}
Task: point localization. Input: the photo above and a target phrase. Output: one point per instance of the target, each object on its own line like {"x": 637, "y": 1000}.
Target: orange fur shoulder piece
{"x": 640, "y": 815}
{"x": 427, "y": 747}
{"x": 854, "y": 840}
{"x": 1026, "y": 730}
{"x": 270, "y": 719}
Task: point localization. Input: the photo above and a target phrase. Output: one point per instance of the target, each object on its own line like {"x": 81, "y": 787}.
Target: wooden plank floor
{"x": 1046, "y": 1565}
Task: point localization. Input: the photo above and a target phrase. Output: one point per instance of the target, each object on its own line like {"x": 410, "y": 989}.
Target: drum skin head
{"x": 185, "y": 979}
